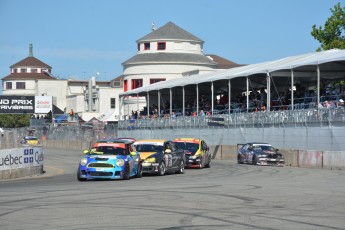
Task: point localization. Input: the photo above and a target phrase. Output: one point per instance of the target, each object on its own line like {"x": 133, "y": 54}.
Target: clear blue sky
{"x": 79, "y": 38}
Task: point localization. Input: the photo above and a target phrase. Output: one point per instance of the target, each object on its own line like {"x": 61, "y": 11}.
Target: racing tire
{"x": 126, "y": 173}
{"x": 239, "y": 161}
{"x": 140, "y": 171}
{"x": 78, "y": 175}
{"x": 162, "y": 169}
{"x": 200, "y": 164}
{"x": 208, "y": 163}
{"x": 254, "y": 160}
{"x": 181, "y": 168}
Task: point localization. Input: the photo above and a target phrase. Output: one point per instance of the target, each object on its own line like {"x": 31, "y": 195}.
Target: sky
{"x": 84, "y": 38}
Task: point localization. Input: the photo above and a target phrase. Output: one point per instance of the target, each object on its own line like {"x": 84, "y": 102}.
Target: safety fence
{"x": 306, "y": 117}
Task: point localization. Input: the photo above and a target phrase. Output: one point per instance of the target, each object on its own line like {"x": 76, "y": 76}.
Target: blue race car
{"x": 111, "y": 159}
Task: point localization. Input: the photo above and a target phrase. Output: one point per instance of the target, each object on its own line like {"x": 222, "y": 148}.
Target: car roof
{"x": 188, "y": 139}
{"x": 115, "y": 141}
{"x": 151, "y": 141}
{"x": 258, "y": 143}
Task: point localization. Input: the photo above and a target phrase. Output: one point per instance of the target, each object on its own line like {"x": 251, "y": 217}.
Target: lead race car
{"x": 258, "y": 153}
{"x": 111, "y": 159}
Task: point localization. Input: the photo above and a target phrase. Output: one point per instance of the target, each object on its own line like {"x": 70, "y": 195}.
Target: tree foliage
{"x": 333, "y": 34}
{"x": 14, "y": 120}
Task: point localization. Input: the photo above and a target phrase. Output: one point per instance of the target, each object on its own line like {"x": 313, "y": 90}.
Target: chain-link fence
{"x": 307, "y": 117}
{"x": 12, "y": 137}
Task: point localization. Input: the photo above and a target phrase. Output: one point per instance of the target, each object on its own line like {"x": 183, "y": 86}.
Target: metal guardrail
{"x": 306, "y": 117}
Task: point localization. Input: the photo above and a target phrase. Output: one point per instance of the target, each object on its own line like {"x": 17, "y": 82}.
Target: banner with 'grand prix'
{"x": 25, "y": 104}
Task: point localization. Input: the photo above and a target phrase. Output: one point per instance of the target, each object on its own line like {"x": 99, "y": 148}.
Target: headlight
{"x": 83, "y": 161}
{"x": 194, "y": 157}
{"x": 150, "y": 160}
{"x": 120, "y": 162}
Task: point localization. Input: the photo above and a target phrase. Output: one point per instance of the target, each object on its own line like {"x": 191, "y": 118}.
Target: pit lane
{"x": 225, "y": 196}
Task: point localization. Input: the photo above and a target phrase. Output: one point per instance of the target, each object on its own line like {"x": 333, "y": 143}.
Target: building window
{"x": 155, "y": 80}
{"x": 138, "y": 47}
{"x": 23, "y": 70}
{"x": 8, "y": 85}
{"x": 112, "y": 103}
{"x": 125, "y": 86}
{"x": 147, "y": 46}
{"x": 33, "y": 70}
{"x": 20, "y": 85}
{"x": 161, "y": 46}
{"x": 136, "y": 83}
{"x": 15, "y": 71}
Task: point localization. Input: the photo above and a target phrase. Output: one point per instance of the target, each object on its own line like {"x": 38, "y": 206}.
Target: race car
{"x": 197, "y": 152}
{"x": 160, "y": 157}
{"x": 259, "y": 154}
{"x": 30, "y": 140}
{"x": 110, "y": 159}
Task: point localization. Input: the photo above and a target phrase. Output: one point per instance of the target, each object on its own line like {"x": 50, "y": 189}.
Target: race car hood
{"x": 98, "y": 157}
{"x": 144, "y": 155}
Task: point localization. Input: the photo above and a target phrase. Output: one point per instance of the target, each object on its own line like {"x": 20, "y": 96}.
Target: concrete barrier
{"x": 310, "y": 159}
{"x": 21, "y": 162}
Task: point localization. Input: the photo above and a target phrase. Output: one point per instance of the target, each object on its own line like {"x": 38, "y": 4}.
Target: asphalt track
{"x": 226, "y": 196}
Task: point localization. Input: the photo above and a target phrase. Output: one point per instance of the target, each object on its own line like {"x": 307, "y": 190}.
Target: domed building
{"x": 166, "y": 53}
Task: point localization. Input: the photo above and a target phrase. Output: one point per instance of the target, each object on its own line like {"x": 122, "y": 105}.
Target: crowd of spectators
{"x": 331, "y": 98}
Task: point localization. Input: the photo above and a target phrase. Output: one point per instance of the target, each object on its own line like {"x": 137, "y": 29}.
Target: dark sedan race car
{"x": 259, "y": 154}
{"x": 160, "y": 156}
{"x": 197, "y": 152}
{"x": 111, "y": 159}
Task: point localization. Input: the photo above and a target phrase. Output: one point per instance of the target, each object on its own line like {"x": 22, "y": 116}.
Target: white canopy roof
{"x": 311, "y": 59}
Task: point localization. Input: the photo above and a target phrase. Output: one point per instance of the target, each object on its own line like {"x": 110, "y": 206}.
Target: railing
{"x": 302, "y": 117}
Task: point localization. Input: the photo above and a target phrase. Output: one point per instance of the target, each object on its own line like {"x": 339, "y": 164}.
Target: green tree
{"x": 333, "y": 34}
{"x": 14, "y": 120}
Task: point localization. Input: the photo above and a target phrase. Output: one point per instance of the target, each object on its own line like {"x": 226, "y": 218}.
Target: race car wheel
{"x": 254, "y": 160}
{"x": 239, "y": 161}
{"x": 209, "y": 163}
{"x": 162, "y": 169}
{"x": 181, "y": 168}
{"x": 78, "y": 175}
{"x": 200, "y": 164}
{"x": 126, "y": 173}
{"x": 140, "y": 171}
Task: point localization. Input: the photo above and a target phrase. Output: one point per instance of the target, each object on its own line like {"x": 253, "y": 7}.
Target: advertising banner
{"x": 215, "y": 121}
{"x": 21, "y": 158}
{"x": 26, "y": 104}
{"x": 17, "y": 104}
{"x": 43, "y": 104}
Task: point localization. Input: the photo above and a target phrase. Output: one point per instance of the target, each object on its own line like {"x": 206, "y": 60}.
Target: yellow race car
{"x": 197, "y": 152}
{"x": 30, "y": 140}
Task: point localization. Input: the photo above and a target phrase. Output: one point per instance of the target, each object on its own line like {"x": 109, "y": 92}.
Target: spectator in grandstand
{"x": 340, "y": 103}
{"x": 202, "y": 113}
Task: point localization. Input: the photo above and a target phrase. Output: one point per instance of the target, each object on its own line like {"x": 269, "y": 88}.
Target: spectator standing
{"x": 340, "y": 103}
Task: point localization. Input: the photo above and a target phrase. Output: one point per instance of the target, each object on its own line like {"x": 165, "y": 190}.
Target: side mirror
{"x": 133, "y": 154}
{"x": 277, "y": 150}
{"x": 86, "y": 152}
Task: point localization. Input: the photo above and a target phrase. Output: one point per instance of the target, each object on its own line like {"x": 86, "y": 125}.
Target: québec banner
{"x": 21, "y": 158}
{"x": 25, "y": 104}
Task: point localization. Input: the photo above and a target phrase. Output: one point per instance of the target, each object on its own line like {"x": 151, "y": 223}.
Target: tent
{"x": 61, "y": 119}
